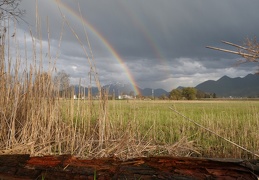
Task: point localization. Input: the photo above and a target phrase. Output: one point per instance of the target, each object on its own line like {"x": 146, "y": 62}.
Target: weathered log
{"x": 69, "y": 167}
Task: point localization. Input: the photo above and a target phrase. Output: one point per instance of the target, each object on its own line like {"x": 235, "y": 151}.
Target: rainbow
{"x": 146, "y": 34}
{"x": 109, "y": 47}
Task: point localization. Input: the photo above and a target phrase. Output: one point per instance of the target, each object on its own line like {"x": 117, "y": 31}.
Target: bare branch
{"x": 233, "y": 52}
{"x": 10, "y": 9}
{"x": 249, "y": 51}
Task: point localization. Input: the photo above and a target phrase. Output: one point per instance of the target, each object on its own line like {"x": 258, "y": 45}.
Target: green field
{"x": 137, "y": 128}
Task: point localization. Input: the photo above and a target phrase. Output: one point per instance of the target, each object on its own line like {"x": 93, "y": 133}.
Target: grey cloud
{"x": 162, "y": 43}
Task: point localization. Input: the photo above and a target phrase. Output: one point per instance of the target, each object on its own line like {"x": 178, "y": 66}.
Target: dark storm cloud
{"x": 178, "y": 28}
{"x": 161, "y": 42}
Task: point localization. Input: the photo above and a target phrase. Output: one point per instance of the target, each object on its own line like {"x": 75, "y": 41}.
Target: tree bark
{"x": 70, "y": 167}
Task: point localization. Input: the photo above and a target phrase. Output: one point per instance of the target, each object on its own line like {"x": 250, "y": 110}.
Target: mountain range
{"x": 247, "y": 86}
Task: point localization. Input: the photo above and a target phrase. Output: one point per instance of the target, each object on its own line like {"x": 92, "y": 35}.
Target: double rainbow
{"x": 109, "y": 47}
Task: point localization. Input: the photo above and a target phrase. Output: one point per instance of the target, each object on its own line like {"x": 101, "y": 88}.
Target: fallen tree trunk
{"x": 69, "y": 167}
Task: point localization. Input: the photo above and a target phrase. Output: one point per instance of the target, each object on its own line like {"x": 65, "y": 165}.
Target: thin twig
{"x": 234, "y": 52}
{"x": 235, "y": 45}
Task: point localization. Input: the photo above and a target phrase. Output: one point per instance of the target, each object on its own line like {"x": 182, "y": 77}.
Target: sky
{"x": 149, "y": 43}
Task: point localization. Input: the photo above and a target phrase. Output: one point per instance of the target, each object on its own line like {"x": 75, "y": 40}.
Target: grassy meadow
{"x": 235, "y": 120}
{"x": 143, "y": 128}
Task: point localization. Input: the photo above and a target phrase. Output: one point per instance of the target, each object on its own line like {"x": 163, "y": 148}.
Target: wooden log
{"x": 69, "y": 167}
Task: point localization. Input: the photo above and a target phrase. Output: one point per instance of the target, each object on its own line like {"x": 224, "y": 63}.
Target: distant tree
{"x": 139, "y": 96}
{"x": 163, "y": 97}
{"x": 151, "y": 97}
{"x": 200, "y": 94}
{"x": 62, "y": 84}
{"x": 189, "y": 93}
{"x": 132, "y": 93}
{"x": 207, "y": 95}
{"x": 62, "y": 80}
{"x": 175, "y": 94}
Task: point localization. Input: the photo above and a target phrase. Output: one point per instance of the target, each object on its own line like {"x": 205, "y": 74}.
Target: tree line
{"x": 189, "y": 93}
{"x": 62, "y": 83}
{"x": 186, "y": 93}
